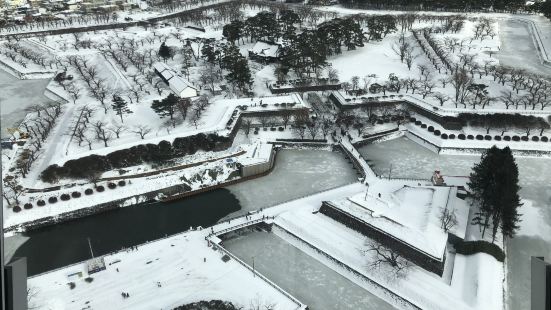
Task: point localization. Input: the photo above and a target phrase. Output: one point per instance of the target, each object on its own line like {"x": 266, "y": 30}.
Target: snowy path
{"x": 56, "y": 141}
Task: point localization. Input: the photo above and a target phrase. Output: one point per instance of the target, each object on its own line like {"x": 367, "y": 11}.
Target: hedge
{"x": 100, "y": 188}
{"x": 497, "y": 138}
{"x": 470, "y": 137}
{"x": 41, "y": 203}
{"x": 516, "y": 138}
{"x": 479, "y": 137}
{"x": 423, "y": 125}
{"x": 480, "y": 246}
{"x": 28, "y": 206}
{"x": 122, "y": 183}
{"x": 452, "y": 136}
{"x": 65, "y": 197}
{"x": 488, "y": 138}
{"x": 506, "y": 138}
{"x": 16, "y": 209}
{"x": 144, "y": 153}
{"x": 535, "y": 138}
{"x": 436, "y": 132}
{"x": 444, "y": 136}
{"x": 52, "y": 199}
{"x": 111, "y": 185}
{"x": 88, "y": 191}
{"x": 75, "y": 194}
{"x": 544, "y": 139}
{"x": 524, "y": 138}
{"x": 431, "y": 129}
{"x": 461, "y": 136}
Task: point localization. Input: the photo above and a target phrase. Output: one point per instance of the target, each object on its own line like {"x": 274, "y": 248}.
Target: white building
{"x": 179, "y": 85}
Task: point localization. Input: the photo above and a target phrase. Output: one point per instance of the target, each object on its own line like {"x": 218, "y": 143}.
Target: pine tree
{"x": 164, "y": 52}
{"x": 120, "y": 106}
{"x": 494, "y": 186}
{"x": 166, "y": 107}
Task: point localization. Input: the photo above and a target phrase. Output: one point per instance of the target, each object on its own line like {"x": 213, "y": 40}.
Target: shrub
{"x": 16, "y": 209}
{"x": 28, "y": 206}
{"x": 65, "y": 197}
{"x": 506, "y": 138}
{"x": 444, "y": 136}
{"x": 89, "y": 279}
{"x": 461, "y": 136}
{"x": 535, "y": 138}
{"x": 431, "y": 129}
{"x": 488, "y": 138}
{"x": 413, "y": 119}
{"x": 111, "y": 185}
{"x": 280, "y": 128}
{"x": 76, "y": 194}
{"x": 516, "y": 138}
{"x": 88, "y": 191}
{"x": 470, "y": 137}
{"x": 100, "y": 188}
{"x": 41, "y": 203}
{"x": 423, "y": 125}
{"x": 418, "y": 123}
{"x": 479, "y": 137}
{"x": 273, "y": 129}
{"x": 122, "y": 183}
{"x": 452, "y": 136}
{"x": 524, "y": 138}
{"x": 52, "y": 199}
{"x": 497, "y": 138}
{"x": 437, "y": 132}
{"x": 544, "y": 139}
{"x": 72, "y": 285}
{"x": 480, "y": 246}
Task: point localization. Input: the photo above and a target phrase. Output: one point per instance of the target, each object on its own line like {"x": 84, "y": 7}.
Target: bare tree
{"x": 448, "y": 219}
{"x": 385, "y": 256}
{"x": 142, "y": 131}
{"x": 246, "y": 125}
{"x": 442, "y": 98}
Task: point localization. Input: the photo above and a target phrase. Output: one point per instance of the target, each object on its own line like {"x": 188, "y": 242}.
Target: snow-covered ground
{"x": 159, "y": 275}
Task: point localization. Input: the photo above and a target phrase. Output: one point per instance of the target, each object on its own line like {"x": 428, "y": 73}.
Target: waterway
{"x": 15, "y": 96}
{"x": 60, "y": 245}
{"x": 409, "y": 160}
{"x": 313, "y": 283}
{"x": 303, "y": 172}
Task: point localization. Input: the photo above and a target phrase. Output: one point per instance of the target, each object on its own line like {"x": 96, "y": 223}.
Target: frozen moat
{"x": 296, "y": 173}
{"x": 518, "y": 49}
{"x": 410, "y": 160}
{"x": 15, "y": 96}
{"x": 310, "y": 281}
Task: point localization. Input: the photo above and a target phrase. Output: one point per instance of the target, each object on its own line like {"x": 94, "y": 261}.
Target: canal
{"x": 303, "y": 172}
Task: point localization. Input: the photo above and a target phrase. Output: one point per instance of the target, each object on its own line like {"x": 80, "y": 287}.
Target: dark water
{"x": 60, "y": 245}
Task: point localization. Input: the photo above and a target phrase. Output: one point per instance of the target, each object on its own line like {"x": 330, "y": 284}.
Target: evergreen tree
{"x": 233, "y": 31}
{"x": 166, "y": 107}
{"x": 120, "y": 106}
{"x": 494, "y": 186}
{"x": 164, "y": 52}
{"x": 546, "y": 8}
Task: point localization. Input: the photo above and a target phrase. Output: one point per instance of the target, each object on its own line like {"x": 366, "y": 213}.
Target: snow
{"x": 408, "y": 212}
{"x": 419, "y": 286}
{"x": 265, "y": 49}
{"x": 218, "y": 170}
{"x": 187, "y": 269}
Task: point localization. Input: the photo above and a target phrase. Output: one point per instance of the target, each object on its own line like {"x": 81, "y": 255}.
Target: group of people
{"x": 125, "y": 295}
